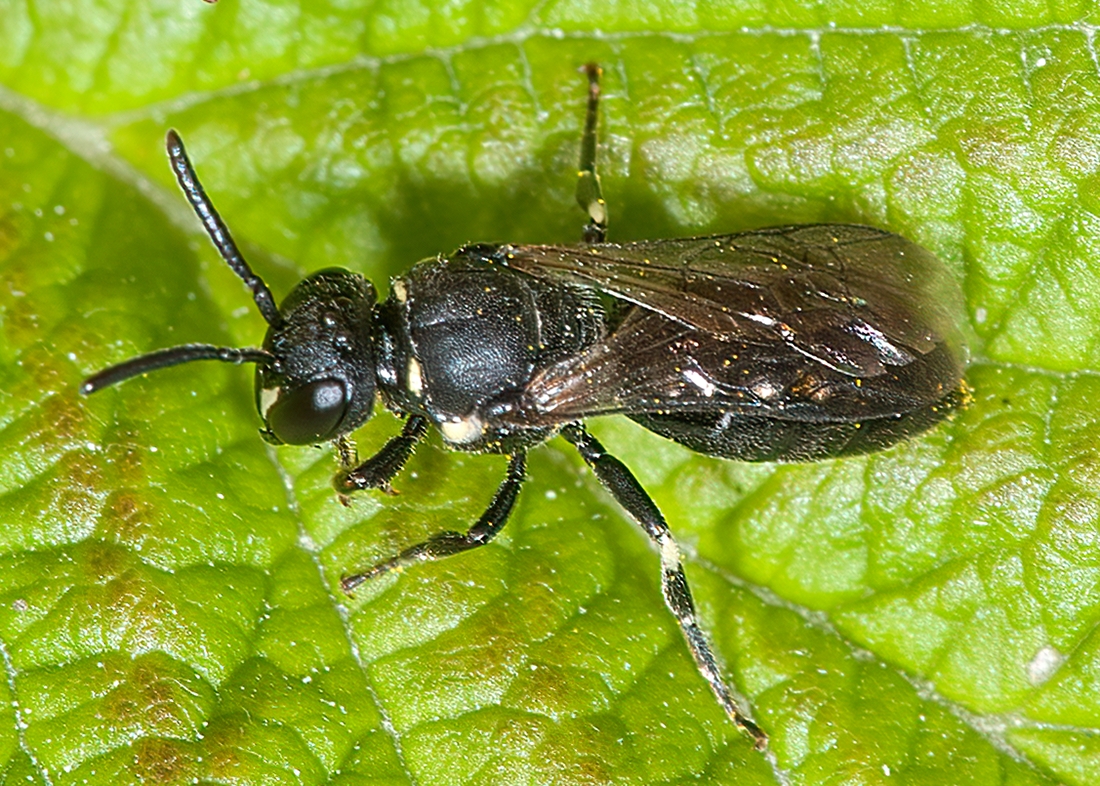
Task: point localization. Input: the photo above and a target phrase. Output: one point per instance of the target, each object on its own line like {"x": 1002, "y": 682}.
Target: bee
{"x": 795, "y": 343}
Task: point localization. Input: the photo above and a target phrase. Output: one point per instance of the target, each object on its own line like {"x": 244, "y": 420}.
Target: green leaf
{"x": 169, "y": 600}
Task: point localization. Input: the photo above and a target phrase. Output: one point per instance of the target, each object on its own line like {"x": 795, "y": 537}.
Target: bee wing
{"x": 651, "y": 364}
{"x": 641, "y": 367}
{"x": 852, "y": 298}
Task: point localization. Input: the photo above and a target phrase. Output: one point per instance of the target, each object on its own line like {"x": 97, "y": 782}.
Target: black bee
{"x": 790, "y": 344}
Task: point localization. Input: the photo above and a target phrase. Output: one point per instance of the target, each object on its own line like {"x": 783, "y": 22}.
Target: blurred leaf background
{"x": 169, "y": 609}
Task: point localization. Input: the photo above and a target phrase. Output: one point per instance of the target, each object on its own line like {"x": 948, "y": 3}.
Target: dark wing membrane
{"x": 855, "y": 299}
{"x": 653, "y": 365}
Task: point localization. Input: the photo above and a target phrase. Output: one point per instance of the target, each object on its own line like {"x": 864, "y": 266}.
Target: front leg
{"x": 626, "y": 490}
{"x": 444, "y": 544}
{"x": 377, "y": 471}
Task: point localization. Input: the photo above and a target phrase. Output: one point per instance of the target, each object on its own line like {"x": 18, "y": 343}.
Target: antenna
{"x": 163, "y": 358}
{"x": 223, "y": 241}
{"x": 216, "y": 228}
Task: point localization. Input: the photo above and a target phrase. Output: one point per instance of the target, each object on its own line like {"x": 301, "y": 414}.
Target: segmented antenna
{"x": 223, "y": 241}
{"x": 216, "y": 228}
{"x": 171, "y": 357}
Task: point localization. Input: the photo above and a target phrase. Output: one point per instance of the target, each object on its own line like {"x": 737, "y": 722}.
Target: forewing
{"x": 852, "y": 298}
{"x": 651, "y": 364}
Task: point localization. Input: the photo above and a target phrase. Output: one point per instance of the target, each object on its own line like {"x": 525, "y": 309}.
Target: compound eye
{"x": 309, "y": 414}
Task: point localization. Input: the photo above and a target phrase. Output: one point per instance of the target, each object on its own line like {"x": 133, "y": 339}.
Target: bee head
{"x": 320, "y": 381}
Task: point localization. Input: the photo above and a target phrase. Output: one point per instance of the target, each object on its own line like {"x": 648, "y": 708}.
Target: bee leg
{"x": 345, "y": 449}
{"x": 444, "y": 544}
{"x": 626, "y": 490}
{"x": 377, "y": 471}
{"x": 589, "y": 195}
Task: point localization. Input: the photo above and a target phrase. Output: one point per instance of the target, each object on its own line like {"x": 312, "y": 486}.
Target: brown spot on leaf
{"x": 155, "y": 692}
{"x": 124, "y": 454}
{"x": 159, "y": 761}
{"x": 545, "y": 683}
{"x": 20, "y": 321}
{"x": 147, "y": 699}
{"x": 225, "y": 738}
{"x": 45, "y": 371}
{"x": 82, "y": 469}
{"x": 60, "y": 419}
{"x": 127, "y": 518}
{"x": 489, "y": 645}
{"x": 74, "y": 491}
{"x": 589, "y": 771}
{"x": 588, "y": 751}
{"x": 102, "y": 561}
{"x": 132, "y": 595}
{"x": 10, "y": 233}
{"x": 121, "y": 707}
